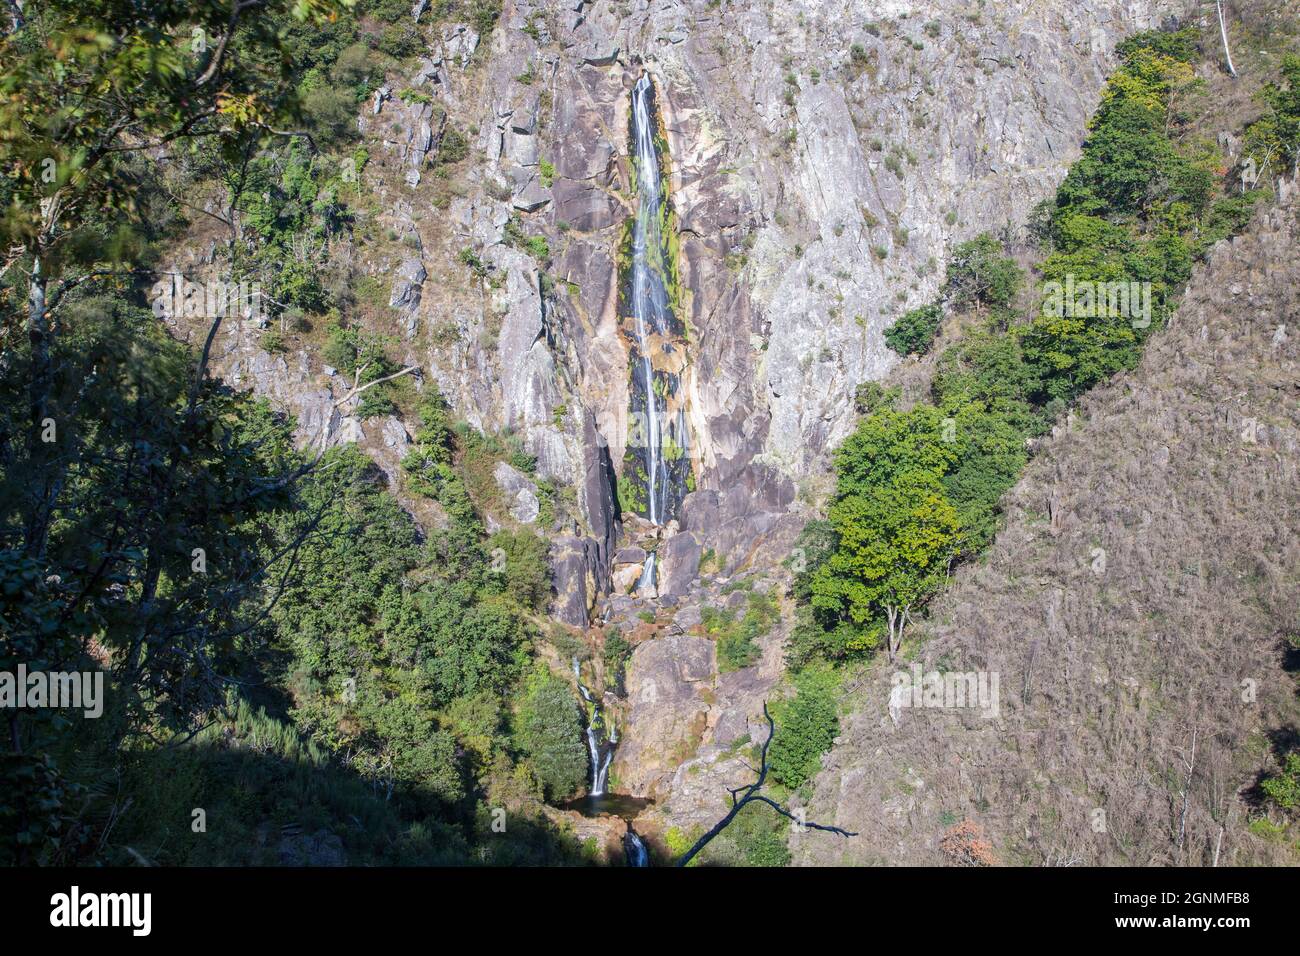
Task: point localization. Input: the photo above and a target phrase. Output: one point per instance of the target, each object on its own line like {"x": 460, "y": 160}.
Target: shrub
{"x": 476, "y": 265}
{"x": 964, "y": 844}
{"x": 1283, "y": 788}
{"x": 550, "y": 732}
{"x": 806, "y": 727}
{"x": 1276, "y": 134}
{"x": 453, "y": 146}
{"x": 526, "y": 575}
{"x": 398, "y": 41}
{"x": 914, "y": 333}
{"x": 272, "y": 341}
{"x": 811, "y": 642}
{"x": 617, "y": 651}
{"x": 736, "y": 639}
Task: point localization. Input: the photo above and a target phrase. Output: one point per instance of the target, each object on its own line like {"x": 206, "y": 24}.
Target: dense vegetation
{"x": 807, "y": 724}
{"x": 295, "y": 671}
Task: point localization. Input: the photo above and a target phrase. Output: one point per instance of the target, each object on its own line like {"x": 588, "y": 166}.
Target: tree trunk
{"x": 38, "y": 334}
{"x": 895, "y": 631}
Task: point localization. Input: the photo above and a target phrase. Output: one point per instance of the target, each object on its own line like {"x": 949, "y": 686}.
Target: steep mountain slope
{"x": 1139, "y": 611}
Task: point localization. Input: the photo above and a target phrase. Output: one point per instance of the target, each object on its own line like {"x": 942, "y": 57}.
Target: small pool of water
{"x": 611, "y": 804}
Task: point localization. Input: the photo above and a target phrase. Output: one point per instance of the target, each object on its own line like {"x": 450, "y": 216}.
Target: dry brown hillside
{"x": 1136, "y": 609}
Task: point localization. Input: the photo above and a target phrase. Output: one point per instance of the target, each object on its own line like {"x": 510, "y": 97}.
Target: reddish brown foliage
{"x": 965, "y": 845}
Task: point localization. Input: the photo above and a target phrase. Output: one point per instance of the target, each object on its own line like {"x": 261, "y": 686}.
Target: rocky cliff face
{"x": 1142, "y": 658}
{"x": 823, "y": 158}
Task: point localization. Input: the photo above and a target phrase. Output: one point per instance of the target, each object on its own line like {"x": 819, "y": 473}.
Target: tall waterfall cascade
{"x": 656, "y": 464}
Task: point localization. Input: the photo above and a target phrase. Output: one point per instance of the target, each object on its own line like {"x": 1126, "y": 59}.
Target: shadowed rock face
{"x": 581, "y": 567}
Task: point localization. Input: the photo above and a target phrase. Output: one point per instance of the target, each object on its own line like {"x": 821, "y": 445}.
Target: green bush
{"x": 453, "y": 147}
{"x": 737, "y": 638}
{"x": 914, "y": 333}
{"x": 1283, "y": 788}
{"x": 617, "y": 651}
{"x": 979, "y": 274}
{"x": 806, "y": 726}
{"x": 526, "y": 576}
{"x": 550, "y": 732}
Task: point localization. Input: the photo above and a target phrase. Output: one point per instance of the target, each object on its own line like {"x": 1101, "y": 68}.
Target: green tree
{"x": 980, "y": 274}
{"x": 914, "y": 333}
{"x": 895, "y": 528}
{"x": 895, "y": 545}
{"x": 550, "y": 733}
{"x": 85, "y": 90}
{"x": 807, "y": 725}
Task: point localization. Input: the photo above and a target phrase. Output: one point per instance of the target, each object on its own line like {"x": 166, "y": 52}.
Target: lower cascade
{"x": 634, "y": 848}
{"x": 646, "y": 582}
{"x": 599, "y": 745}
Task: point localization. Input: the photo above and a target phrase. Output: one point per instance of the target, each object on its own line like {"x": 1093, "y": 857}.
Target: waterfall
{"x": 600, "y": 750}
{"x": 652, "y": 317}
{"x": 657, "y": 444}
{"x": 582, "y": 688}
{"x": 647, "y": 579}
{"x": 599, "y": 762}
{"x": 634, "y": 849}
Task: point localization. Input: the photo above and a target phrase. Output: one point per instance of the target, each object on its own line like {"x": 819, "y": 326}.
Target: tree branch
{"x": 215, "y": 65}
{"x": 751, "y": 795}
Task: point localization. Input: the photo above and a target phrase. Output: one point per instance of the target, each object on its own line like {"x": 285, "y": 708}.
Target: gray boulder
{"x": 520, "y": 493}
{"x": 679, "y": 563}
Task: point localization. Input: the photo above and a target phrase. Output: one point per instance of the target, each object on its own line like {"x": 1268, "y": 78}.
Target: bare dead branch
{"x": 751, "y": 795}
